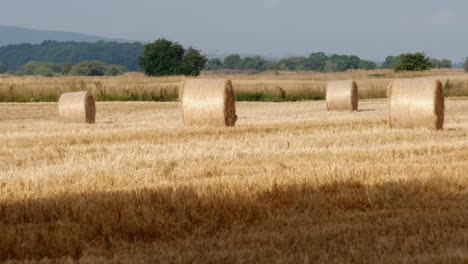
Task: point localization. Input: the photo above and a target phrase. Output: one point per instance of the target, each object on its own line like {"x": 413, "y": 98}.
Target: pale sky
{"x": 371, "y": 29}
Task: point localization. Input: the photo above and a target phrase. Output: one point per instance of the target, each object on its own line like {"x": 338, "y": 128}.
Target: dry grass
{"x": 284, "y": 86}
{"x": 291, "y": 183}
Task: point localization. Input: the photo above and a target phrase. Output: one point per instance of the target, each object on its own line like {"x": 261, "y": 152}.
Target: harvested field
{"x": 290, "y": 183}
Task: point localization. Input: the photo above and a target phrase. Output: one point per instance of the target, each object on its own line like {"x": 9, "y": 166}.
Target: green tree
{"x": 390, "y": 62}
{"x": 446, "y": 64}
{"x": 465, "y": 65}
{"x": 233, "y": 62}
{"x": 345, "y": 62}
{"x": 330, "y": 66}
{"x": 214, "y": 64}
{"x": 316, "y": 61}
{"x": 3, "y": 69}
{"x": 114, "y": 70}
{"x": 39, "y": 68}
{"x": 292, "y": 63}
{"x": 162, "y": 58}
{"x": 367, "y": 65}
{"x": 66, "y": 68}
{"x": 414, "y": 62}
{"x": 43, "y": 70}
{"x": 194, "y": 62}
{"x": 89, "y": 68}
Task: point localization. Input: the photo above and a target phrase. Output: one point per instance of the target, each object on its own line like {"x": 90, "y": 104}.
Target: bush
{"x": 89, "y": 68}
{"x": 413, "y": 62}
{"x": 40, "y": 68}
{"x": 114, "y": 70}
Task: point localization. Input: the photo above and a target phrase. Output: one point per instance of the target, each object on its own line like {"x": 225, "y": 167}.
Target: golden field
{"x": 291, "y": 183}
{"x": 269, "y": 86}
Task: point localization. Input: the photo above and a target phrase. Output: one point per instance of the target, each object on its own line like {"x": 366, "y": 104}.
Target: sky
{"x": 371, "y": 29}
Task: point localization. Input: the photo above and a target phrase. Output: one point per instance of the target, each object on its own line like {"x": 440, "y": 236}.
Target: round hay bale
{"x": 416, "y": 103}
{"x": 208, "y": 103}
{"x": 78, "y": 107}
{"x": 342, "y": 96}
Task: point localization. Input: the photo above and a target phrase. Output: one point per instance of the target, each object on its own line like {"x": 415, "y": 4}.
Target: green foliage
{"x": 445, "y": 64}
{"x": 291, "y": 64}
{"x": 390, "y": 62}
{"x": 40, "y": 68}
{"x": 213, "y": 64}
{"x": 3, "y": 69}
{"x": 319, "y": 62}
{"x": 125, "y": 54}
{"x": 413, "y": 62}
{"x": 345, "y": 62}
{"x": 95, "y": 68}
{"x": 465, "y": 65}
{"x": 164, "y": 58}
{"x": 367, "y": 65}
{"x": 66, "y": 68}
{"x": 114, "y": 70}
{"x": 316, "y": 61}
{"x": 89, "y": 68}
{"x": 233, "y": 62}
{"x": 194, "y": 62}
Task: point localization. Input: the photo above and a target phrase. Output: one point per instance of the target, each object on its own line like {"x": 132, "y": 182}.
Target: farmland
{"x": 290, "y": 183}
{"x": 270, "y": 86}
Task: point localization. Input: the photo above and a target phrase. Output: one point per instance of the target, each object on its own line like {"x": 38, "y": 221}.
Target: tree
{"x": 89, "y": 68}
{"x": 194, "y": 62}
{"x": 413, "y": 62}
{"x": 390, "y": 62}
{"x": 292, "y": 63}
{"x": 214, "y": 64}
{"x": 445, "y": 64}
{"x": 316, "y": 61}
{"x": 465, "y": 65}
{"x": 367, "y": 65}
{"x": 162, "y": 58}
{"x": 233, "y": 62}
{"x": 3, "y": 69}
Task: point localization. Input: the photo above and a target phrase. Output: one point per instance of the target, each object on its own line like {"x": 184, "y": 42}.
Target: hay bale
{"x": 416, "y": 103}
{"x": 208, "y": 103}
{"x": 342, "y": 96}
{"x": 78, "y": 107}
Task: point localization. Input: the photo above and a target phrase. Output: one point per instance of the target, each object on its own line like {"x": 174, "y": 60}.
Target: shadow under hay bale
{"x": 77, "y": 107}
{"x": 415, "y": 103}
{"x": 208, "y": 103}
{"x": 342, "y": 96}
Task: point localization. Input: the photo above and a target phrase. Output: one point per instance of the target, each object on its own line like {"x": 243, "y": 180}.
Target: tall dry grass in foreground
{"x": 291, "y": 183}
{"x": 284, "y": 86}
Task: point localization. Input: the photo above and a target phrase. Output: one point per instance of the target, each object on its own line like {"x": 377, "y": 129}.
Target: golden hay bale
{"x": 416, "y": 103}
{"x": 342, "y": 96}
{"x": 208, "y": 103}
{"x": 77, "y": 107}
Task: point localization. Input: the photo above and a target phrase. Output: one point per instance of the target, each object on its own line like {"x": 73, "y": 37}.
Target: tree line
{"x": 164, "y": 57}
{"x": 319, "y": 62}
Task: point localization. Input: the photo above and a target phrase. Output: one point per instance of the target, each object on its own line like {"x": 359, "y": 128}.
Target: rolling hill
{"x": 16, "y": 35}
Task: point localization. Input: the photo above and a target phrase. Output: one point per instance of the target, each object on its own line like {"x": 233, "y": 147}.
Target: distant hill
{"x": 16, "y": 35}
